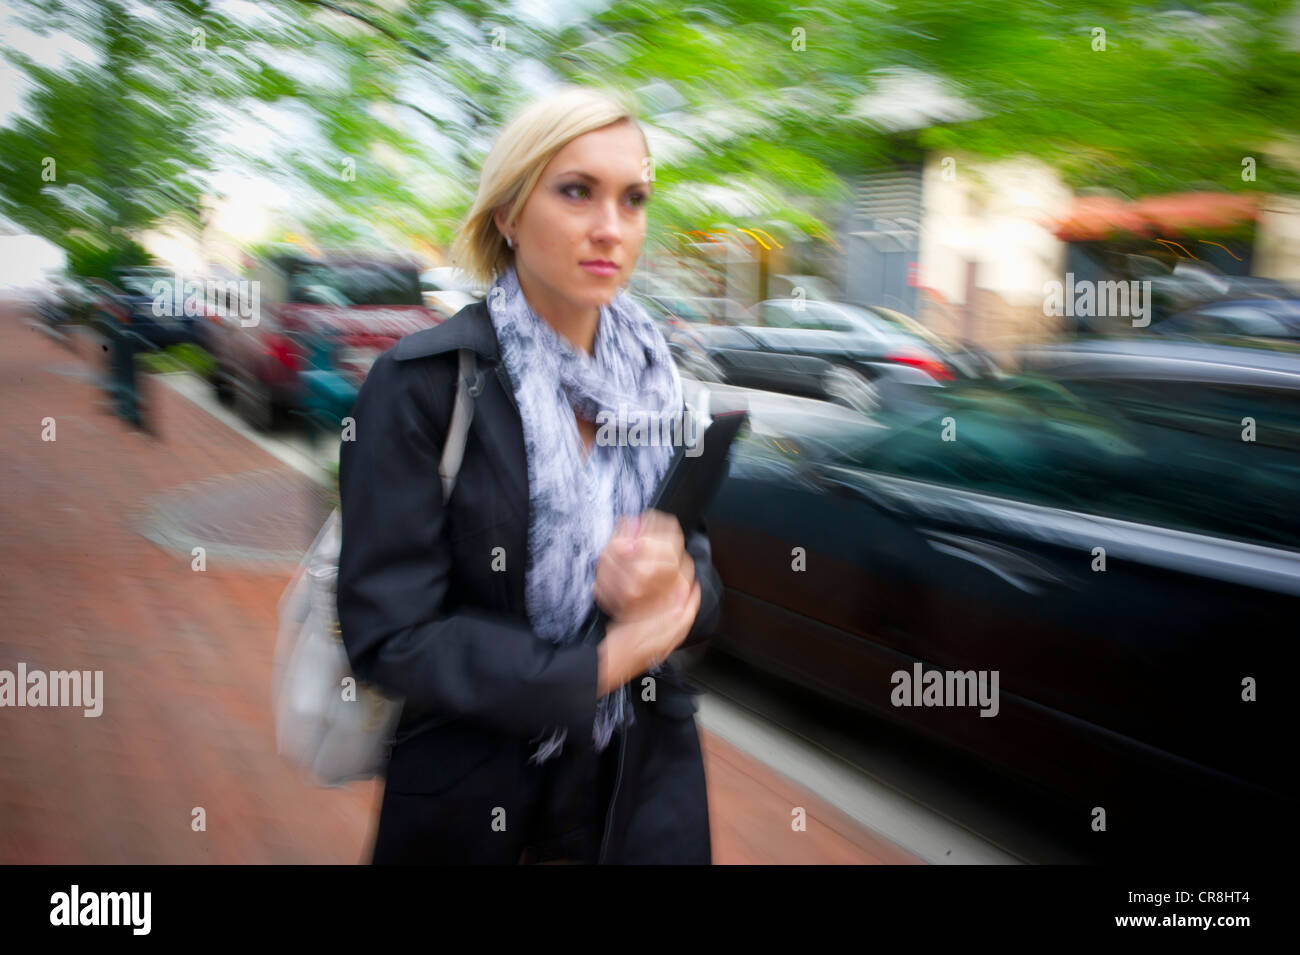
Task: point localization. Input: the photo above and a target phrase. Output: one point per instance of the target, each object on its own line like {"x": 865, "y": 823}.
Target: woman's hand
{"x": 644, "y": 561}
{"x": 645, "y": 581}
{"x": 632, "y": 647}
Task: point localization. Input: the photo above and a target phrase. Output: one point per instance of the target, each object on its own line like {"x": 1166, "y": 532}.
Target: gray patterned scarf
{"x": 574, "y": 503}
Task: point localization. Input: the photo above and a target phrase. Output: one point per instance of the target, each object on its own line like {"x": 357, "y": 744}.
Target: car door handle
{"x": 1017, "y": 570}
{"x": 832, "y": 483}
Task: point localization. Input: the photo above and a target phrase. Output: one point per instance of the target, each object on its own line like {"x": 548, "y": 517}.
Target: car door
{"x": 1063, "y": 548}
{"x": 1123, "y": 571}
{"x": 804, "y": 597}
{"x": 775, "y": 363}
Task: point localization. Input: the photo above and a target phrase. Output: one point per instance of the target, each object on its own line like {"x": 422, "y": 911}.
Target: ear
{"x": 499, "y": 219}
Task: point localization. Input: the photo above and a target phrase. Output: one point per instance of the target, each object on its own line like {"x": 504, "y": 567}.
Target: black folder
{"x": 687, "y": 487}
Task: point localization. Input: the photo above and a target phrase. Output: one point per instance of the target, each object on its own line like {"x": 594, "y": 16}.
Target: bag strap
{"x": 453, "y": 450}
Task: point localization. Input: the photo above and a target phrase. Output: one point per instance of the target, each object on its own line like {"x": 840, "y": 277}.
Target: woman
{"x": 519, "y": 742}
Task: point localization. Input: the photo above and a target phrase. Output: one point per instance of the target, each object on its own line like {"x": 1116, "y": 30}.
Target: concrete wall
{"x": 987, "y": 250}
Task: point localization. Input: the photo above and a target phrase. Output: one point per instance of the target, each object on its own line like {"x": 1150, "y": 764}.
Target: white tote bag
{"x": 327, "y": 722}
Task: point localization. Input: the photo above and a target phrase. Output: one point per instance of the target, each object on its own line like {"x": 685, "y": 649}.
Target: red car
{"x": 300, "y": 314}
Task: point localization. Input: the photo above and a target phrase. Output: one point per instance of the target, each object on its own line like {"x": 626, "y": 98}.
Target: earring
{"x": 510, "y": 242}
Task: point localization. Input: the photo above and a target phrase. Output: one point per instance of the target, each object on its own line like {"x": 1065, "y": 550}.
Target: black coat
{"x": 425, "y": 615}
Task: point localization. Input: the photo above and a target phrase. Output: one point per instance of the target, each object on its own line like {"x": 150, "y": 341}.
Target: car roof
{"x": 1164, "y": 359}
{"x": 850, "y": 307}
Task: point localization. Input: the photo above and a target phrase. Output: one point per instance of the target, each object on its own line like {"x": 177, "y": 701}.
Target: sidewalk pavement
{"x": 96, "y": 574}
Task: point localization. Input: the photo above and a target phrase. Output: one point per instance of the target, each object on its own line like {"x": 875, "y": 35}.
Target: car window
{"x": 906, "y": 327}
{"x": 826, "y": 318}
{"x": 1154, "y": 453}
{"x": 1030, "y": 447}
{"x": 1233, "y": 453}
{"x": 808, "y": 316}
{"x": 355, "y": 284}
{"x": 320, "y": 295}
{"x": 143, "y": 284}
{"x": 1215, "y": 410}
{"x": 771, "y": 315}
{"x": 850, "y": 318}
{"x": 1244, "y": 320}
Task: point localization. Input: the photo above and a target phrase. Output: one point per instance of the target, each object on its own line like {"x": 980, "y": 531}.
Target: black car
{"x": 153, "y": 303}
{"x": 1102, "y": 538}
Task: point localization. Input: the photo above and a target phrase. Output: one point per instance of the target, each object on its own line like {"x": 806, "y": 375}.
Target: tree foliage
{"x": 759, "y": 112}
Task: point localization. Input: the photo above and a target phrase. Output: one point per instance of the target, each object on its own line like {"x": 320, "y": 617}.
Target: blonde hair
{"x": 514, "y": 164}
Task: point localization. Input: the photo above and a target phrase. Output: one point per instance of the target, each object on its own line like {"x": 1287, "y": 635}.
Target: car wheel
{"x": 221, "y": 386}
{"x": 851, "y": 389}
{"x": 255, "y": 405}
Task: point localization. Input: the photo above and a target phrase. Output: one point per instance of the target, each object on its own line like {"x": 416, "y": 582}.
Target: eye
{"x": 639, "y": 199}
{"x": 567, "y": 190}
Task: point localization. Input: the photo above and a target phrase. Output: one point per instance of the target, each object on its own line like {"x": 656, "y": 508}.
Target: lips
{"x": 600, "y": 267}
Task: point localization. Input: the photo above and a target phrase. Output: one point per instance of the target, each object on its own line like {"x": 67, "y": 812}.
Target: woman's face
{"x": 580, "y": 233}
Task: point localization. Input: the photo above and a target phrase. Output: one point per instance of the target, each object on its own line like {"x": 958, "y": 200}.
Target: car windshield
{"x": 1149, "y": 454}
{"x": 1243, "y": 320}
{"x": 902, "y": 324}
{"x": 831, "y": 317}
{"x": 359, "y": 283}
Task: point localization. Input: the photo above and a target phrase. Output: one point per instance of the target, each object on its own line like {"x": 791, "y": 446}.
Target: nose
{"x": 607, "y": 226}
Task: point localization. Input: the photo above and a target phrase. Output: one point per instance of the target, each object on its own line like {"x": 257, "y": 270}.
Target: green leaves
{"x": 756, "y": 105}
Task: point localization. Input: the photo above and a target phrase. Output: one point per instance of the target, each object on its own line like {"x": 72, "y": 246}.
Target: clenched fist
{"x": 642, "y": 567}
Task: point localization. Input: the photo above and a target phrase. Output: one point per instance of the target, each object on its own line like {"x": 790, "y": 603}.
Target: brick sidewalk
{"x": 187, "y": 658}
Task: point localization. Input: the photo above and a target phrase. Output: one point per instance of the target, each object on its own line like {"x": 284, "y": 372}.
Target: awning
{"x": 1091, "y": 218}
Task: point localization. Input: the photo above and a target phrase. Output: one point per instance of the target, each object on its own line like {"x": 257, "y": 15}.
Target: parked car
{"x": 1104, "y": 541}
{"x": 1228, "y": 321}
{"x": 146, "y": 298}
{"x": 1179, "y": 288}
{"x": 322, "y": 322}
{"x": 701, "y": 310}
{"x": 830, "y": 350}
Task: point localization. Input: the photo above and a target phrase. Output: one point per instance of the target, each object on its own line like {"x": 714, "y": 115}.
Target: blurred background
{"x": 1012, "y": 291}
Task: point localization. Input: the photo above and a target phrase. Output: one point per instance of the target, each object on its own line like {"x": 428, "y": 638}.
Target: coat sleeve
{"x": 393, "y": 578}
{"x": 709, "y": 615}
